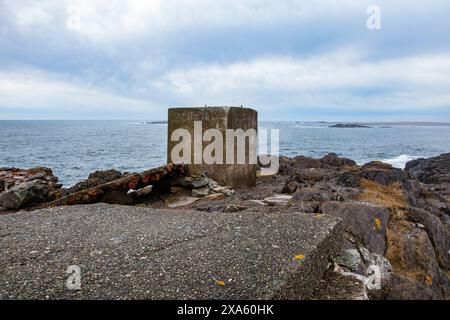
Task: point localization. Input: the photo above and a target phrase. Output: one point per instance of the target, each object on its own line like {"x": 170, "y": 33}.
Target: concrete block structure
{"x": 225, "y": 119}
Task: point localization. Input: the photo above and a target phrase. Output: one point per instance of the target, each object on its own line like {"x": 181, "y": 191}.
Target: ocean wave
{"x": 400, "y": 161}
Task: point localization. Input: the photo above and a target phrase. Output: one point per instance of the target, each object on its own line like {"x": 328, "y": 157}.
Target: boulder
{"x": 437, "y": 232}
{"x": 350, "y": 259}
{"x": 24, "y": 188}
{"x": 431, "y": 171}
{"x": 312, "y": 194}
{"x": 349, "y": 179}
{"x": 95, "y": 179}
{"x": 333, "y": 160}
{"x": 403, "y": 288}
{"x": 200, "y": 192}
{"x": 289, "y": 187}
{"x": 367, "y": 224}
{"x": 382, "y": 173}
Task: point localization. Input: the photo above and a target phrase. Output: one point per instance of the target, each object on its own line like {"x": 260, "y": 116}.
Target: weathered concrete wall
{"x": 222, "y": 118}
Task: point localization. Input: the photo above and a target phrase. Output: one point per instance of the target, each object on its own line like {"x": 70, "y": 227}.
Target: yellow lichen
{"x": 378, "y": 224}
{"x": 220, "y": 283}
{"x": 429, "y": 280}
{"x": 299, "y": 257}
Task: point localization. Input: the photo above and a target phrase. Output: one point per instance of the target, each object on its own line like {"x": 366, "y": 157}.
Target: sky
{"x": 290, "y": 60}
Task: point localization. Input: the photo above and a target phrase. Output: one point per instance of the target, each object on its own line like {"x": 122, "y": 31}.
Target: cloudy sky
{"x": 291, "y": 60}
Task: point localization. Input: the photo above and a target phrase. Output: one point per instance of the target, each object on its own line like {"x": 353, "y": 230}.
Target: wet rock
{"x": 95, "y": 179}
{"x": 431, "y": 171}
{"x": 24, "y": 188}
{"x": 289, "y": 187}
{"x": 368, "y": 224}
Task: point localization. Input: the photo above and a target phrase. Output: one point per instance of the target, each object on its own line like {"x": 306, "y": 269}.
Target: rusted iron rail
{"x": 116, "y": 192}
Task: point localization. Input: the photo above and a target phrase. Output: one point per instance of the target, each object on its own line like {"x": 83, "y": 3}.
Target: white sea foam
{"x": 400, "y": 161}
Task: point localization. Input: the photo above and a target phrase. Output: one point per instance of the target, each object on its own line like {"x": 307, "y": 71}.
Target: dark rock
{"x": 413, "y": 256}
{"x": 24, "y": 188}
{"x": 413, "y": 191}
{"x": 199, "y": 183}
{"x": 95, "y": 179}
{"x": 302, "y": 162}
{"x": 290, "y": 187}
{"x": 200, "y": 192}
{"x": 367, "y": 224}
{"x": 333, "y": 160}
{"x": 438, "y": 233}
{"x": 376, "y": 165}
{"x": 234, "y": 208}
{"x": 349, "y": 179}
{"x": 403, "y": 288}
{"x": 431, "y": 171}
{"x": 382, "y": 173}
{"x": 312, "y": 194}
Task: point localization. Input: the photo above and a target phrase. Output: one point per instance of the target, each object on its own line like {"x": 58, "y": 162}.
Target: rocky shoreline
{"x": 396, "y": 222}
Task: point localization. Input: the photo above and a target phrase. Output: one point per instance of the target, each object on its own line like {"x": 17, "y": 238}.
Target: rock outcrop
{"x": 23, "y": 188}
{"x": 431, "y": 171}
{"x": 95, "y": 179}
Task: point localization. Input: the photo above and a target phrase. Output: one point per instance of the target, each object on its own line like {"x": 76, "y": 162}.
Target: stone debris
{"x": 277, "y": 200}
{"x": 177, "y": 202}
{"x": 200, "y": 192}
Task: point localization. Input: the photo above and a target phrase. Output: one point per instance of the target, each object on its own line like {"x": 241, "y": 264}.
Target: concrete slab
{"x": 137, "y": 253}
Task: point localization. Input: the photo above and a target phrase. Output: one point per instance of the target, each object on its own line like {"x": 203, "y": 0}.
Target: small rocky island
{"x": 319, "y": 229}
{"x": 349, "y": 126}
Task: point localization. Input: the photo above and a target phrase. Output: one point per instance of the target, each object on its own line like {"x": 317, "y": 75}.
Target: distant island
{"x": 349, "y": 125}
{"x": 156, "y": 122}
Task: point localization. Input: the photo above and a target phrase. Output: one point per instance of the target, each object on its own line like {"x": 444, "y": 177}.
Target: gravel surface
{"x": 139, "y": 253}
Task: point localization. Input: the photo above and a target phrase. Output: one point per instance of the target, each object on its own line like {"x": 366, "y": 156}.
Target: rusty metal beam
{"x": 115, "y": 192}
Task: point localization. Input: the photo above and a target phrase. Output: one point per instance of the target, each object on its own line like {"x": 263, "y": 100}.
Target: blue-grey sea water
{"x": 73, "y": 149}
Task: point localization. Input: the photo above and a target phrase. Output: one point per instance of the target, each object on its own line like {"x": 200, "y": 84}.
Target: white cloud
{"x": 37, "y": 90}
{"x": 111, "y": 20}
{"x": 342, "y": 79}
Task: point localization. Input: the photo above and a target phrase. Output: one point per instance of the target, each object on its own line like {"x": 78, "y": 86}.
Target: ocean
{"x": 73, "y": 149}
